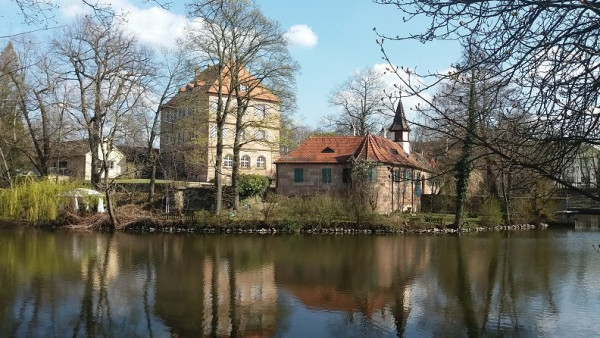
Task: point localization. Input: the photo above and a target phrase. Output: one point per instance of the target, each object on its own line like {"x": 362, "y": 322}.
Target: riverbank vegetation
{"x": 45, "y": 203}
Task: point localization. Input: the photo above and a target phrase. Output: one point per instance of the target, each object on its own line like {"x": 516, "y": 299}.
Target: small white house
{"x": 74, "y": 160}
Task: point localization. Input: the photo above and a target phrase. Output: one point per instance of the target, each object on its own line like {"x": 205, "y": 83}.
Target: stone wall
{"x": 388, "y": 195}
{"x": 312, "y": 179}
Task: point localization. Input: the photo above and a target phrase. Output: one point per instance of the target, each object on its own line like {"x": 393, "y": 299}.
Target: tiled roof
{"x": 207, "y": 81}
{"x": 342, "y": 149}
{"x": 312, "y": 150}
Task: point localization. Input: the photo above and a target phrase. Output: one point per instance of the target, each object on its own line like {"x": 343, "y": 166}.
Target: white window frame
{"x": 261, "y": 162}
{"x": 228, "y": 161}
{"x": 245, "y": 162}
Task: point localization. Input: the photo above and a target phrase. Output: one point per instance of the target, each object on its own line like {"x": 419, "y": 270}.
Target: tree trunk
{"x": 152, "y": 182}
{"x": 109, "y": 205}
{"x": 218, "y": 166}
{"x": 235, "y": 174}
{"x": 463, "y": 166}
{"x": 506, "y": 196}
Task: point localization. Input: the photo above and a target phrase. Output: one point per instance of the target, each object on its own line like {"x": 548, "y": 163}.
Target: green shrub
{"x": 534, "y": 211}
{"x": 490, "y": 213}
{"x": 252, "y": 185}
{"x": 321, "y": 210}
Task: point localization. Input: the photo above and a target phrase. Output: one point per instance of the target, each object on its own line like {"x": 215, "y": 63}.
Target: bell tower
{"x": 400, "y": 128}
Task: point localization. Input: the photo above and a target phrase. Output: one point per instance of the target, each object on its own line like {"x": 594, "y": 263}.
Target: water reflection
{"x": 89, "y": 284}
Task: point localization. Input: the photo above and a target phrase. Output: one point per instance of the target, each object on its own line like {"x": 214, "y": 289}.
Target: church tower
{"x": 400, "y": 128}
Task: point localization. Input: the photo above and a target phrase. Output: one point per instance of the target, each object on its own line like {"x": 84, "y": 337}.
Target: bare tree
{"x": 40, "y": 107}
{"x": 109, "y": 73}
{"x": 249, "y": 55}
{"x": 360, "y": 102}
{"x": 171, "y": 70}
{"x": 547, "y": 51}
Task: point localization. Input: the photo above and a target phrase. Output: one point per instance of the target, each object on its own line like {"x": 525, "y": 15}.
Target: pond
{"x": 529, "y": 283}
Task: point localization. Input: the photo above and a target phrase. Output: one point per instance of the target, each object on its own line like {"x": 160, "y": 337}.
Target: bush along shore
{"x": 134, "y": 219}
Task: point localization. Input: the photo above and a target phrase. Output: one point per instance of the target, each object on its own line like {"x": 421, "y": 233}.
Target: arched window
{"x": 261, "y": 162}
{"x": 228, "y": 161}
{"x": 245, "y": 162}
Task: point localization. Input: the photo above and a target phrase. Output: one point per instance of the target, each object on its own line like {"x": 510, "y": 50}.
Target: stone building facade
{"x": 189, "y": 130}
{"x": 397, "y": 176}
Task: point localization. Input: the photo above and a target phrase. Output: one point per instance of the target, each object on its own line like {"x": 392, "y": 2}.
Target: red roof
{"x": 208, "y": 81}
{"x": 344, "y": 149}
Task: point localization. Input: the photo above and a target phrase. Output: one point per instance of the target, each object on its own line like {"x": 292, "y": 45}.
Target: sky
{"x": 330, "y": 39}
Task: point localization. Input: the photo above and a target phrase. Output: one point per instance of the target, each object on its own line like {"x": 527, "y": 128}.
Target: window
{"x": 111, "y": 164}
{"x": 347, "y": 175}
{"x": 396, "y": 175}
{"x": 213, "y": 131}
{"x": 244, "y": 88}
{"x": 225, "y": 133}
{"x": 228, "y": 161}
{"x": 326, "y": 175}
{"x": 261, "y": 110}
{"x": 298, "y": 175}
{"x": 245, "y": 162}
{"x": 373, "y": 174}
{"x": 213, "y": 105}
{"x": 261, "y": 162}
{"x": 260, "y": 135}
{"x": 62, "y": 167}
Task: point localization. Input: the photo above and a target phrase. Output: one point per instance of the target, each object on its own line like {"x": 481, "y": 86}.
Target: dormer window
{"x": 327, "y": 151}
{"x": 394, "y": 151}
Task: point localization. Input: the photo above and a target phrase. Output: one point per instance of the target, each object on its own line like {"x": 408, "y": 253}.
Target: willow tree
{"x": 548, "y": 50}
{"x": 250, "y": 54}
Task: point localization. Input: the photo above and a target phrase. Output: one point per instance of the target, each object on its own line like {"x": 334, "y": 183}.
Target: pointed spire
{"x": 399, "y": 123}
{"x": 400, "y": 128}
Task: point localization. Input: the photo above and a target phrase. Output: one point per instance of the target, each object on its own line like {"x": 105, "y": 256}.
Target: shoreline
{"x": 150, "y": 225}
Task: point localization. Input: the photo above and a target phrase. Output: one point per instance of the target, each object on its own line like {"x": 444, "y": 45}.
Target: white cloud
{"x": 301, "y": 36}
{"x": 153, "y": 25}
{"x": 398, "y": 80}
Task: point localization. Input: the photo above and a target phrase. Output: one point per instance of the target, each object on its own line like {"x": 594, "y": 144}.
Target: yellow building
{"x": 189, "y": 129}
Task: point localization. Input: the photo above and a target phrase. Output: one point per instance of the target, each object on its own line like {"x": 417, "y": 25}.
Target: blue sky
{"x": 330, "y": 39}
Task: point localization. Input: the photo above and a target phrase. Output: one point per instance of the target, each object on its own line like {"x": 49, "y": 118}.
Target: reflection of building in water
{"x": 254, "y": 294}
{"x": 214, "y": 299}
{"x": 101, "y": 264}
{"x": 376, "y": 281}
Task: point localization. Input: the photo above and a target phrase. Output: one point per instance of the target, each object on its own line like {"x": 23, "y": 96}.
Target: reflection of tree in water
{"x": 484, "y": 281}
{"x": 92, "y": 284}
{"x": 96, "y": 321}
{"x": 369, "y": 278}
